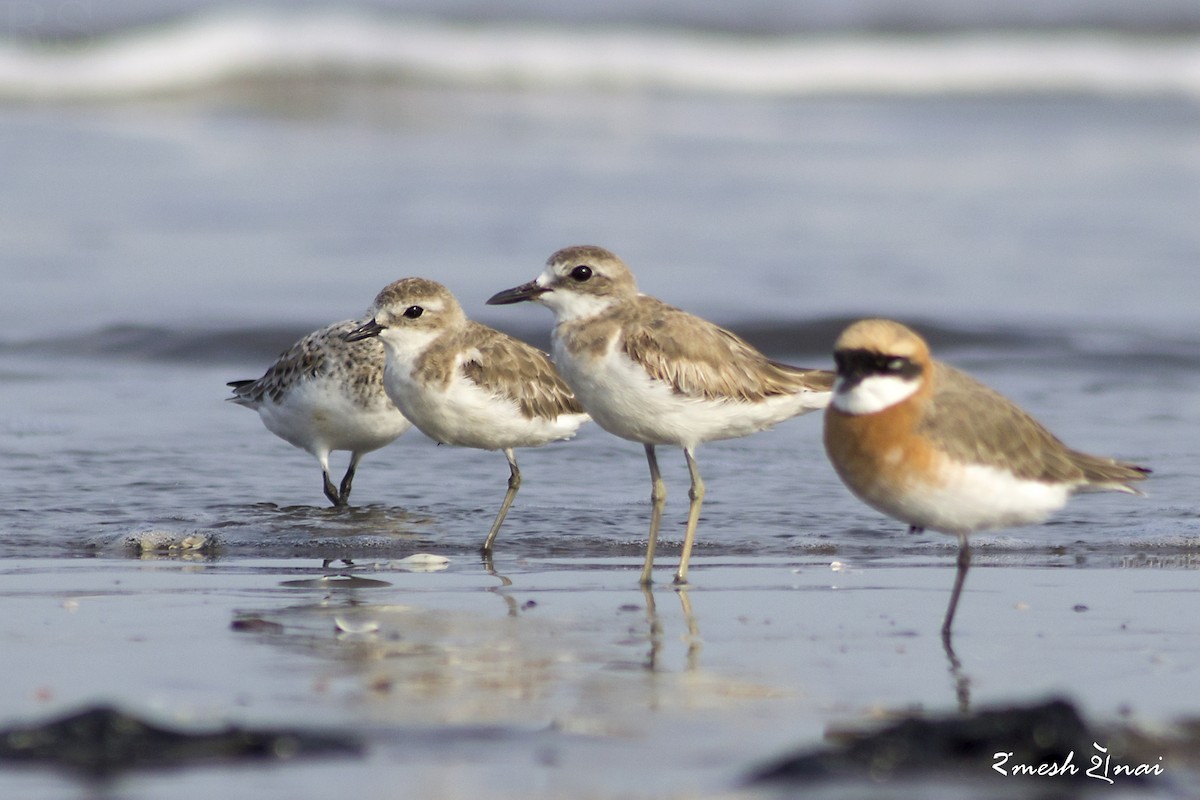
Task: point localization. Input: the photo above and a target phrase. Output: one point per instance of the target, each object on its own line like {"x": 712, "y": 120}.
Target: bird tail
{"x": 1108, "y": 474}
{"x": 241, "y": 394}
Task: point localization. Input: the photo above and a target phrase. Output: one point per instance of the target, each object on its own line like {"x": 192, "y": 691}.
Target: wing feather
{"x": 313, "y": 355}
{"x": 697, "y": 358}
{"x": 514, "y": 370}
{"x": 976, "y": 424}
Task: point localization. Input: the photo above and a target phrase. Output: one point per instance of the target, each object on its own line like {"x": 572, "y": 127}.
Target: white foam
{"x": 208, "y": 50}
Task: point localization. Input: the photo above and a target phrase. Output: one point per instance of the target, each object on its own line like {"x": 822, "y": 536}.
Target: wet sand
{"x": 557, "y": 677}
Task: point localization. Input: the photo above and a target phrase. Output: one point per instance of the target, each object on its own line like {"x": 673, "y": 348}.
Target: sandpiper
{"x": 463, "y": 383}
{"x": 654, "y": 374}
{"x": 325, "y": 394}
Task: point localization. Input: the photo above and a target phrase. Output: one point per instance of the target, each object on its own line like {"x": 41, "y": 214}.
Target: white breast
{"x": 973, "y": 497}
{"x": 317, "y": 414}
{"x": 628, "y": 402}
{"x": 464, "y": 414}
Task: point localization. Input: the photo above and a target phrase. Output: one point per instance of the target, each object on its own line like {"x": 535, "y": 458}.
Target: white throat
{"x": 405, "y": 346}
{"x": 569, "y": 305}
{"x": 872, "y": 394}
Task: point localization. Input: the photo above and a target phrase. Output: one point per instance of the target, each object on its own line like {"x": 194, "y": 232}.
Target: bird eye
{"x": 581, "y": 273}
{"x": 412, "y": 312}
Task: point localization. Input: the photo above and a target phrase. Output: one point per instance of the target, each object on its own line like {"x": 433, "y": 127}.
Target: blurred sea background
{"x": 207, "y": 164}
{"x": 189, "y": 186}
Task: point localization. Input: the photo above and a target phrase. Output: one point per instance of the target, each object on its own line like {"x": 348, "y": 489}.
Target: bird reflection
{"x": 962, "y": 681}
{"x": 692, "y": 638}
{"x": 489, "y": 566}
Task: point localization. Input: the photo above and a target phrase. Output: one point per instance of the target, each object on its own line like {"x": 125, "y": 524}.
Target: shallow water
{"x": 156, "y": 248}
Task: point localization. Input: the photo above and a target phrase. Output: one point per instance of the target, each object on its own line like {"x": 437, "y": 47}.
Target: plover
{"x": 325, "y": 394}
{"x": 654, "y": 374}
{"x": 928, "y": 445}
{"x": 465, "y": 384}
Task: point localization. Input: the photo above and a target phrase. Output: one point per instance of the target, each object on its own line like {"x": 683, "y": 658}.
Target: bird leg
{"x": 348, "y": 479}
{"x": 658, "y": 498}
{"x": 696, "y": 495}
{"x": 331, "y": 491}
{"x": 514, "y": 483}
{"x": 964, "y": 563}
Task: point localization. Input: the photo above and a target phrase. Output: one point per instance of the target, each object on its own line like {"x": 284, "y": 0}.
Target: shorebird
{"x": 654, "y": 374}
{"x": 465, "y": 384}
{"x": 325, "y": 394}
{"x": 931, "y": 446}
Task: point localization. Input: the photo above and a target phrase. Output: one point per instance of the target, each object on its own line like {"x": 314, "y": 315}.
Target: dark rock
{"x": 966, "y": 745}
{"x": 102, "y": 741}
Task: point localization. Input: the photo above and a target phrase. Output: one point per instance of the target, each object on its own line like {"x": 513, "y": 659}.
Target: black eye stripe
{"x": 863, "y": 363}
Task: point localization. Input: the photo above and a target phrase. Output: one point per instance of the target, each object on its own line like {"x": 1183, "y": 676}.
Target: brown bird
{"x": 931, "y": 446}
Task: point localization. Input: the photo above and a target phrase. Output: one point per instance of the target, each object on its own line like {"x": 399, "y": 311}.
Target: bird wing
{"x": 307, "y": 358}
{"x": 514, "y": 370}
{"x": 976, "y": 424}
{"x": 697, "y": 358}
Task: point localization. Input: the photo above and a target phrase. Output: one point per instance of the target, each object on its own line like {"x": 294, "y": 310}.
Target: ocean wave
{"x": 251, "y": 347}
{"x": 211, "y": 51}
